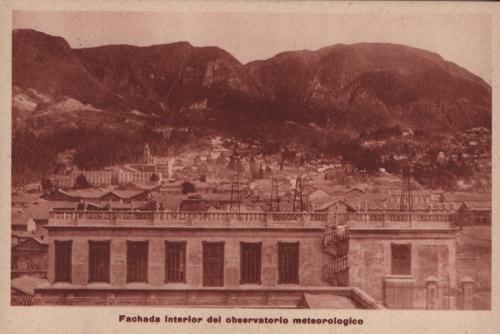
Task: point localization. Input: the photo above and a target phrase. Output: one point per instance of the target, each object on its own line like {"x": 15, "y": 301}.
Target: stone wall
{"x": 370, "y": 261}
{"x": 239, "y": 297}
{"x": 311, "y": 257}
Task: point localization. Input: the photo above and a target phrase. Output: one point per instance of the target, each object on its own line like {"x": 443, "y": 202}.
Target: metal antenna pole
{"x": 406, "y": 201}
{"x": 234, "y": 204}
{"x": 275, "y": 195}
{"x": 298, "y": 195}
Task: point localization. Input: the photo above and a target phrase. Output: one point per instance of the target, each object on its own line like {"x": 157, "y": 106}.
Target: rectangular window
{"x": 137, "y": 261}
{"x": 175, "y": 261}
{"x": 250, "y": 262}
{"x": 99, "y": 258}
{"x": 213, "y": 263}
{"x": 62, "y": 261}
{"x": 401, "y": 259}
{"x": 288, "y": 262}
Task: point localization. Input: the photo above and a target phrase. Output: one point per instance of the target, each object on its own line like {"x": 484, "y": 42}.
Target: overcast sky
{"x": 462, "y": 39}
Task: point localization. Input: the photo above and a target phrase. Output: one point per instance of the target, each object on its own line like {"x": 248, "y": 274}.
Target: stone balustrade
{"x": 249, "y": 219}
{"x": 184, "y": 218}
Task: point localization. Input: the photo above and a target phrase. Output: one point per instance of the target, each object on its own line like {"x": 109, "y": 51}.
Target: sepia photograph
{"x": 251, "y": 160}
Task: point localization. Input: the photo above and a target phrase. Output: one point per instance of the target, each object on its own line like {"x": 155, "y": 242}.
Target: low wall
{"x": 206, "y": 297}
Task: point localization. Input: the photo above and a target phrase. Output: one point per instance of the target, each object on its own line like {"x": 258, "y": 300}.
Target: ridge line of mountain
{"x": 356, "y": 86}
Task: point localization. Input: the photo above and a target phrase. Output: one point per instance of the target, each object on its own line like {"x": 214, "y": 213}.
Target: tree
{"x": 150, "y": 205}
{"x": 188, "y": 187}
{"x": 81, "y": 182}
{"x": 46, "y": 184}
{"x": 154, "y": 178}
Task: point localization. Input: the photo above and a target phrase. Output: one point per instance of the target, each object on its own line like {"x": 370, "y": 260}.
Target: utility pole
{"x": 275, "y": 200}
{"x": 235, "y": 163}
{"x": 406, "y": 201}
{"x": 298, "y": 200}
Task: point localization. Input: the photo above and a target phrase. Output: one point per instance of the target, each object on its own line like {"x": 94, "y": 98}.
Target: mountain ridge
{"x": 358, "y": 86}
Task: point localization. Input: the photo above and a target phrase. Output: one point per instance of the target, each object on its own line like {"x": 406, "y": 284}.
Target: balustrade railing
{"x": 401, "y": 217}
{"x": 337, "y": 265}
{"x": 337, "y": 234}
{"x": 315, "y": 218}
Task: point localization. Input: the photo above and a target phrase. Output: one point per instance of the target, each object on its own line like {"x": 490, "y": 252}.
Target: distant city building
{"x": 29, "y": 257}
{"x": 98, "y": 178}
{"x": 129, "y": 173}
{"x": 62, "y": 181}
{"x": 94, "y": 195}
{"x": 422, "y": 200}
{"x": 161, "y": 166}
{"x": 474, "y": 213}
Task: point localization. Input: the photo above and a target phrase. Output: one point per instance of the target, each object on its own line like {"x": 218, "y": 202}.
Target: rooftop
{"x": 27, "y": 284}
{"x": 328, "y": 301}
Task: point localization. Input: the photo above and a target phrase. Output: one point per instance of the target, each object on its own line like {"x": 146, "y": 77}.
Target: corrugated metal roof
{"x": 84, "y": 193}
{"x": 126, "y": 194}
{"x": 21, "y": 300}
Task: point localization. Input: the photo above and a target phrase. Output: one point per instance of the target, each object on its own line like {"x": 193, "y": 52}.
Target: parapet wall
{"x": 251, "y": 219}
